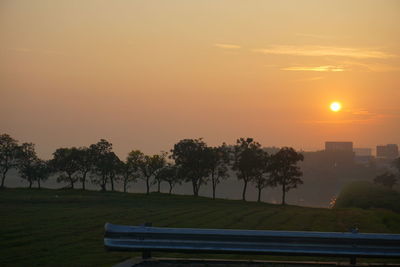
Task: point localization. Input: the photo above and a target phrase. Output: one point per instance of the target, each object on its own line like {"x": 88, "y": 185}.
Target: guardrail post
{"x": 146, "y": 254}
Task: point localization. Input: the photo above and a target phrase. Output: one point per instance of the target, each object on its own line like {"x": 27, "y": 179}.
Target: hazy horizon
{"x": 145, "y": 74}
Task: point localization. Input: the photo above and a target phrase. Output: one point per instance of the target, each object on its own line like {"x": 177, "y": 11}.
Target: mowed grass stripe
{"x": 40, "y": 229}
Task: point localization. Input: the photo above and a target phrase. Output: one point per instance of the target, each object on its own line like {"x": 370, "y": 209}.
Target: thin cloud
{"x": 318, "y": 68}
{"x": 371, "y": 67}
{"x": 317, "y": 51}
{"x": 357, "y": 116}
{"x": 227, "y": 46}
{"x": 336, "y": 122}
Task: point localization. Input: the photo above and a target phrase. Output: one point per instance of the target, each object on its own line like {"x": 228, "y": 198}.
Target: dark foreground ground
{"x": 164, "y": 262}
{"x": 66, "y": 227}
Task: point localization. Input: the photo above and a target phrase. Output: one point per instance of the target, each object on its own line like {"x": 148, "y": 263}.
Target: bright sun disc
{"x": 336, "y": 106}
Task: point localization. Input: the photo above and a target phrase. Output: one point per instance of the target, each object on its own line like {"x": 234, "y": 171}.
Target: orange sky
{"x": 145, "y": 74}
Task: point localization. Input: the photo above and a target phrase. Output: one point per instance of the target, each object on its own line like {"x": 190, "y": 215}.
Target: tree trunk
{"x": 170, "y": 188}
{"x": 84, "y": 181}
{"x": 259, "y": 194}
{"x": 3, "y": 178}
{"x": 30, "y": 183}
{"x": 38, "y": 182}
{"x": 71, "y": 181}
{"x": 194, "y": 188}
{"x": 198, "y": 187}
{"x": 103, "y": 183}
{"x": 112, "y": 183}
{"x": 158, "y": 186}
{"x": 147, "y": 185}
{"x": 283, "y": 194}
{"x": 214, "y": 184}
{"x": 125, "y": 185}
{"x": 244, "y": 190}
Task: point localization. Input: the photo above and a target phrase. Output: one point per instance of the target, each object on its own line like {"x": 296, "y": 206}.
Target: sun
{"x": 336, "y": 106}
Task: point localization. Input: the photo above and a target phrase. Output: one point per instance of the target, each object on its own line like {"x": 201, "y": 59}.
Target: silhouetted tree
{"x": 262, "y": 177}
{"x": 172, "y": 175}
{"x": 41, "y": 171}
{"x": 65, "y": 161}
{"x": 218, "y": 161}
{"x": 246, "y": 163}
{"x": 115, "y": 166}
{"x": 157, "y": 178}
{"x": 103, "y": 162}
{"x": 285, "y": 171}
{"x": 8, "y": 155}
{"x": 191, "y": 157}
{"x": 149, "y": 166}
{"x": 26, "y": 162}
{"x": 130, "y": 168}
{"x": 85, "y": 162}
{"x": 386, "y": 179}
{"x": 396, "y": 165}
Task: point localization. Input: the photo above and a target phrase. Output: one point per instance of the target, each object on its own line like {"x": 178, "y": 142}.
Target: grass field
{"x": 65, "y": 227}
{"x": 367, "y": 195}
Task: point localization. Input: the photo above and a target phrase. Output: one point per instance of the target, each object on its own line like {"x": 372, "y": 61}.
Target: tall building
{"x": 363, "y": 152}
{"x": 363, "y": 155}
{"x": 339, "y": 153}
{"x": 339, "y": 146}
{"x": 389, "y": 151}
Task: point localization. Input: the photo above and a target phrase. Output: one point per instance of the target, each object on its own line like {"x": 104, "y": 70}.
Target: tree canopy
{"x": 8, "y": 155}
{"x": 191, "y": 157}
{"x": 285, "y": 171}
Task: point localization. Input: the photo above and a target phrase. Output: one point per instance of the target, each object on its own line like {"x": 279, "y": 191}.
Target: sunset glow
{"x": 147, "y": 73}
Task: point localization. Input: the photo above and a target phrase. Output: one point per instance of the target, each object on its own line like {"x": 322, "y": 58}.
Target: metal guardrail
{"x": 147, "y": 239}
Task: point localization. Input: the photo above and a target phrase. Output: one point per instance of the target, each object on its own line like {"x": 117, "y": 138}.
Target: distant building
{"x": 363, "y": 156}
{"x": 339, "y": 146}
{"x": 339, "y": 153}
{"x": 363, "y": 152}
{"x": 389, "y": 151}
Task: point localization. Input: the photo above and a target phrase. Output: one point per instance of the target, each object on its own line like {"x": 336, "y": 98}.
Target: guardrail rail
{"x": 187, "y": 240}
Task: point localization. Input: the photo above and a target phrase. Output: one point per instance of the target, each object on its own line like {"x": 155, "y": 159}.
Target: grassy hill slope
{"x": 367, "y": 195}
{"x": 65, "y": 227}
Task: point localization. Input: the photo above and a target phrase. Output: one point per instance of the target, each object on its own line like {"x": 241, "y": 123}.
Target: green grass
{"x": 367, "y": 195}
{"x": 66, "y": 227}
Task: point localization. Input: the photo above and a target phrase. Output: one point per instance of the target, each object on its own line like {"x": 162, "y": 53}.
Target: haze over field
{"x": 145, "y": 74}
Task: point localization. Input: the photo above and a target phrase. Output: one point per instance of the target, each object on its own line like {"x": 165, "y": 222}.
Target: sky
{"x": 145, "y": 74}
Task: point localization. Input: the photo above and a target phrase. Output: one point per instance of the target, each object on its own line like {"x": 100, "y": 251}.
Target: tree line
{"x": 189, "y": 161}
{"x": 388, "y": 178}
